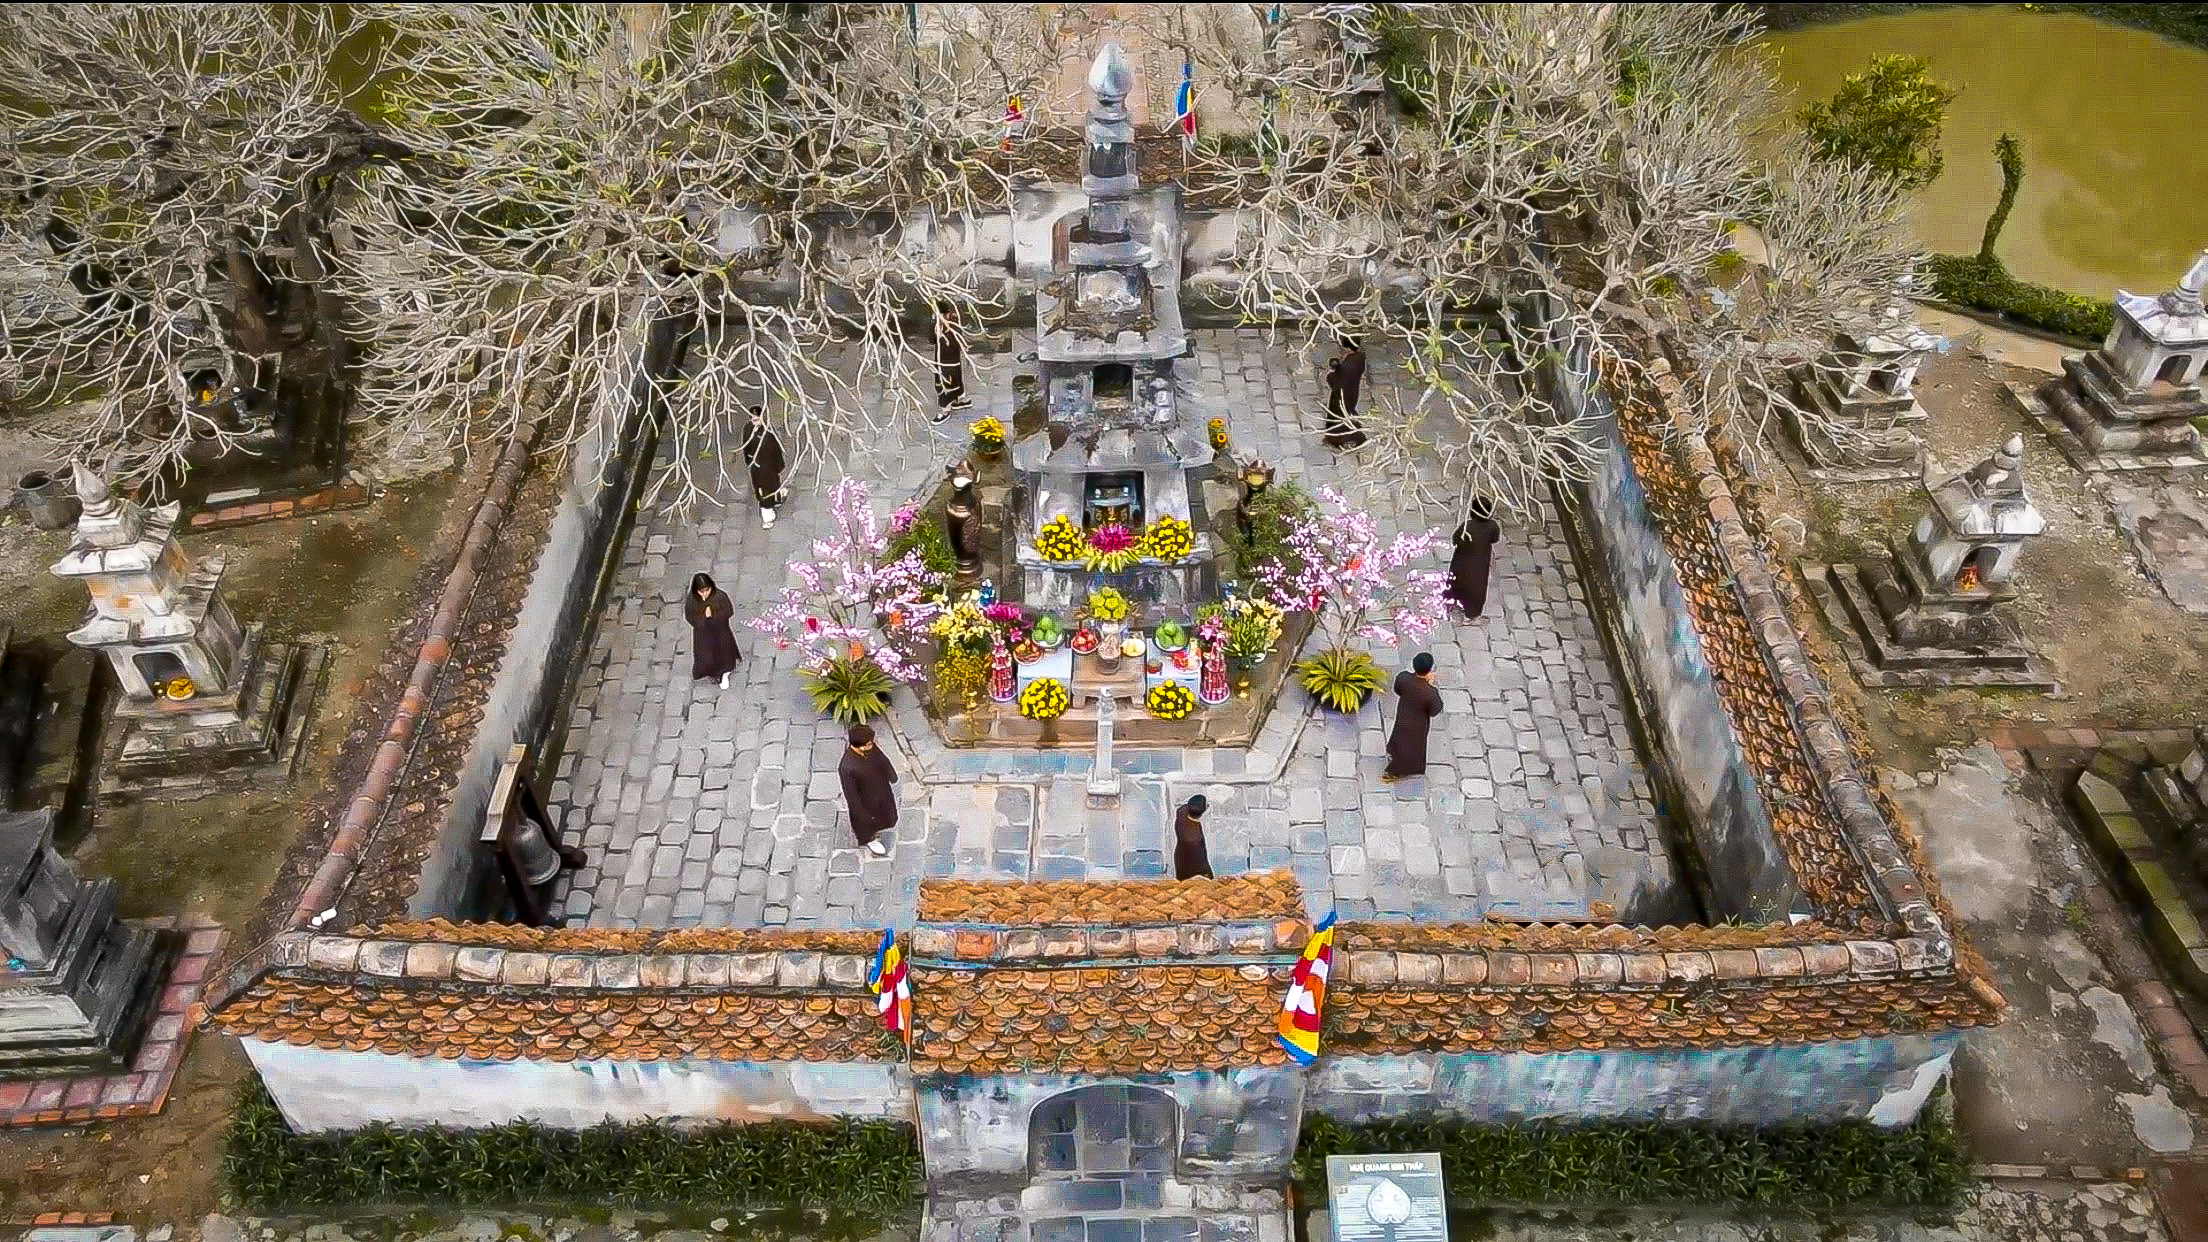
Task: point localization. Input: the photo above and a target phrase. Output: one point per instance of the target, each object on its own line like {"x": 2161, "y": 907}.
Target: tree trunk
{"x": 2010, "y": 152}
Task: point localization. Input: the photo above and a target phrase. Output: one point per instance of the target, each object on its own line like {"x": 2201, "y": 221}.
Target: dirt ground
{"x": 2120, "y": 651}
{"x": 341, "y": 576}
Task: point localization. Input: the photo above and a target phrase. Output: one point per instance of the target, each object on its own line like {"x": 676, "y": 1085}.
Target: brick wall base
{"x": 268, "y": 506}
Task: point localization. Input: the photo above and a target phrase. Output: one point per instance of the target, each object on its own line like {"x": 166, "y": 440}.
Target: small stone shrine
{"x": 202, "y": 697}
{"x": 1118, "y": 447}
{"x": 79, "y": 985}
{"x": 1925, "y": 613}
{"x": 2130, "y": 404}
{"x": 1862, "y": 417}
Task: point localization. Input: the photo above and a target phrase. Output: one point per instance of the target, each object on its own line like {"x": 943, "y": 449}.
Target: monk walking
{"x": 1471, "y": 564}
{"x": 713, "y": 645}
{"x": 1417, "y": 703}
{"x": 763, "y": 456}
{"x": 867, "y": 777}
{"x": 1345, "y": 377}
{"x": 1190, "y": 856}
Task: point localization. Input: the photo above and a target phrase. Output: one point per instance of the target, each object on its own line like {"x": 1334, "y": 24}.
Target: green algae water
{"x": 2115, "y": 177}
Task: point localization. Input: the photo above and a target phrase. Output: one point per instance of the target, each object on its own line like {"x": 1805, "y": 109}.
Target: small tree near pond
{"x": 1886, "y": 118}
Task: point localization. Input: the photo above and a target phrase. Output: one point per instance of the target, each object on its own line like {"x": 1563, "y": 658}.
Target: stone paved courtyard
{"x": 703, "y": 806}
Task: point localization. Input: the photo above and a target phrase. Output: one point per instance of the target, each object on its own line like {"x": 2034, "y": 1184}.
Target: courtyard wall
{"x": 551, "y": 633}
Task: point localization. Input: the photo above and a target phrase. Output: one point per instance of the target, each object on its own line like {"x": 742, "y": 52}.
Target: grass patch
{"x": 863, "y": 1168}
{"x": 1853, "y": 1166}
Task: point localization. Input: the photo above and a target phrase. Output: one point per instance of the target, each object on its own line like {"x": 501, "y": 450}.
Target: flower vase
{"x": 1241, "y": 667}
{"x": 1109, "y": 635}
{"x": 1211, "y": 685}
{"x": 1003, "y": 686}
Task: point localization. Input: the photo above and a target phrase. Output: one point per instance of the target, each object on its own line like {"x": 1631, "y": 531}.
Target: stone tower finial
{"x": 92, "y": 490}
{"x": 2185, "y": 299}
{"x": 1109, "y": 77}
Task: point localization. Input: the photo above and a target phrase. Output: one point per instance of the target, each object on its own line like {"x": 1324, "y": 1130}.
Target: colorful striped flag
{"x": 1184, "y": 102}
{"x": 1015, "y": 115}
{"x": 892, "y": 991}
{"x": 1299, "y": 1013}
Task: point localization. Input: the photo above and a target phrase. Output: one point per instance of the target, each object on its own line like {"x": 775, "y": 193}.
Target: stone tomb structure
{"x": 1094, "y": 1044}
{"x": 78, "y": 986}
{"x": 1120, "y": 441}
{"x": 2131, "y": 404}
{"x": 203, "y": 698}
{"x": 1863, "y": 416}
{"x": 1927, "y": 614}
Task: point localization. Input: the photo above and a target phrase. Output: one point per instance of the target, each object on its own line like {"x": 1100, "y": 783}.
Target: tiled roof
{"x": 561, "y": 996}
{"x": 1075, "y": 903}
{"x": 628, "y": 940}
{"x": 458, "y": 1022}
{"x": 1125, "y": 1020}
{"x": 1572, "y": 937}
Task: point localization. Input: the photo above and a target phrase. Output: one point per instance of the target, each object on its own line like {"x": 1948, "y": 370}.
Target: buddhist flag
{"x": 1299, "y": 1014}
{"x": 1184, "y": 102}
{"x": 1015, "y": 115}
{"x": 892, "y": 991}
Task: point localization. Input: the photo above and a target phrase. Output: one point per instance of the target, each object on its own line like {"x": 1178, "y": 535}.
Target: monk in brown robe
{"x": 1417, "y": 703}
{"x": 713, "y": 645}
{"x": 1471, "y": 563}
{"x": 1345, "y": 377}
{"x": 1190, "y": 857}
{"x": 763, "y": 455}
{"x": 867, "y": 777}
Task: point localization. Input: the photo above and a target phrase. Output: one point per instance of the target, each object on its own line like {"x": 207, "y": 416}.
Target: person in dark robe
{"x": 950, "y": 363}
{"x": 713, "y": 644}
{"x": 1472, "y": 562}
{"x": 1345, "y": 378}
{"x": 1416, "y": 705}
{"x": 1190, "y": 857}
{"x": 763, "y": 456}
{"x": 867, "y": 777}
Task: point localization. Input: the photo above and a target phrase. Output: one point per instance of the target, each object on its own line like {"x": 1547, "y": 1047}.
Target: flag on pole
{"x": 1015, "y": 116}
{"x": 1299, "y": 1013}
{"x": 1184, "y": 103}
{"x": 892, "y": 991}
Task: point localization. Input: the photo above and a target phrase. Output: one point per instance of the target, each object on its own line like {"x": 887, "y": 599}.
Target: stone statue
{"x": 962, "y": 521}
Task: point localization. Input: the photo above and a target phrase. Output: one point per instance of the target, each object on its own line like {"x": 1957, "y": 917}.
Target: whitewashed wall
{"x": 318, "y": 1089}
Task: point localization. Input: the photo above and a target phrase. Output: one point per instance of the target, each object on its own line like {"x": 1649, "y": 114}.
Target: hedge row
{"x": 1968, "y": 280}
{"x": 870, "y": 1168}
{"x": 1853, "y": 1166}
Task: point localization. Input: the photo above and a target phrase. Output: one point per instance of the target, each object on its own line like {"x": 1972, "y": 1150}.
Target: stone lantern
{"x": 201, "y": 694}
{"x": 1925, "y": 612}
{"x": 1862, "y": 413}
{"x": 2130, "y": 404}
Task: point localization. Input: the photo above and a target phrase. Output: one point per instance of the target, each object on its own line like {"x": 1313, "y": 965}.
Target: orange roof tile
{"x": 1125, "y": 1020}
{"x": 1269, "y": 895}
{"x": 626, "y": 940}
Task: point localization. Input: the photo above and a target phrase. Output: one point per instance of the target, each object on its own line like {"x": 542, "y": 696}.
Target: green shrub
{"x": 1853, "y": 1165}
{"x": 1968, "y": 280}
{"x": 1276, "y": 512}
{"x": 851, "y": 691}
{"x": 871, "y": 1167}
{"x": 927, "y": 537}
{"x": 1886, "y": 118}
{"x": 1339, "y": 678}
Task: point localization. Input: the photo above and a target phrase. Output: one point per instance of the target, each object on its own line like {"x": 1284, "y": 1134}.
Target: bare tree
{"x": 166, "y": 173}
{"x": 775, "y": 175}
{"x": 1529, "y": 174}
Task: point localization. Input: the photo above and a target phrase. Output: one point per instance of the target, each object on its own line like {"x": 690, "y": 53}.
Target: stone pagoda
{"x": 78, "y": 986}
{"x": 1120, "y": 442}
{"x": 2130, "y": 404}
{"x": 201, "y": 695}
{"x": 1925, "y": 614}
{"x": 1862, "y": 417}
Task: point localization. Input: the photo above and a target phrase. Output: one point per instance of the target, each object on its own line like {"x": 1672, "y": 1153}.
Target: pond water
{"x": 2115, "y": 179}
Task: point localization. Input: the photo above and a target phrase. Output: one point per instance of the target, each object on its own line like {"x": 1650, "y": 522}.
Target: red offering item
{"x": 1180, "y": 659}
{"x": 1084, "y": 642}
{"x": 1028, "y": 652}
{"x": 1154, "y": 668}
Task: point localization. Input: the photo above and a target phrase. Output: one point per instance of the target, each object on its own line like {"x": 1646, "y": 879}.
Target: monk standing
{"x": 867, "y": 777}
{"x": 1471, "y": 564}
{"x": 1417, "y": 703}
{"x": 1191, "y": 858}
{"x": 763, "y": 455}
{"x": 1345, "y": 378}
{"x": 713, "y": 650}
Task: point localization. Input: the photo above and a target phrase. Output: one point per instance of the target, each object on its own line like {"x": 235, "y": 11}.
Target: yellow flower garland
{"x": 1061, "y": 540}
{"x": 1170, "y": 700}
{"x": 1045, "y": 698}
{"x": 1169, "y": 539}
